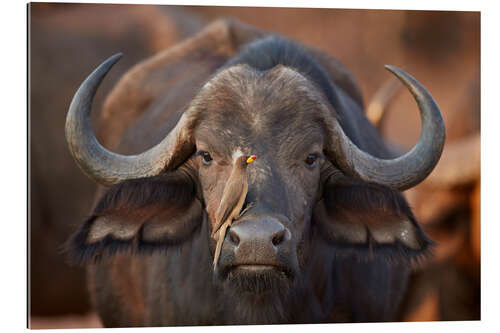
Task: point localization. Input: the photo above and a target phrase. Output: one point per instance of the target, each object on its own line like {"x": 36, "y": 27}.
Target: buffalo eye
{"x": 205, "y": 157}
{"x": 311, "y": 159}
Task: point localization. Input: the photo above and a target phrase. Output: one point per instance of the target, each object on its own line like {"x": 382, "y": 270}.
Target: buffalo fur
{"x": 370, "y": 207}
{"x": 271, "y": 51}
{"x": 140, "y": 204}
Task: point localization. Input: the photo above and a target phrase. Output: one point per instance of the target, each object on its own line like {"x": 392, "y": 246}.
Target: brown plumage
{"x": 232, "y": 201}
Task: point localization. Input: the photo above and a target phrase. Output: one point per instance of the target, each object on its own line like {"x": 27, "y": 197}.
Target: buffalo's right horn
{"x": 405, "y": 171}
{"x": 107, "y": 167}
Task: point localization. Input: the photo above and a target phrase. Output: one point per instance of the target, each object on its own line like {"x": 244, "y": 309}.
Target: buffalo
{"x": 325, "y": 234}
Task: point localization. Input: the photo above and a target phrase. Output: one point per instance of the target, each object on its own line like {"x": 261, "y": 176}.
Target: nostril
{"x": 278, "y": 238}
{"x": 233, "y": 237}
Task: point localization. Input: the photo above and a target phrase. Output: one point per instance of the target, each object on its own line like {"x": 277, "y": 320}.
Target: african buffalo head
{"x": 309, "y": 179}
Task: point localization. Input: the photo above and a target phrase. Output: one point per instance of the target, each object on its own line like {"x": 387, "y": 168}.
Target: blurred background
{"x": 441, "y": 49}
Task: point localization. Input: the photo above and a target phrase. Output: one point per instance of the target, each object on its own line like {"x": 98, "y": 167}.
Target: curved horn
{"x": 405, "y": 171}
{"x": 107, "y": 167}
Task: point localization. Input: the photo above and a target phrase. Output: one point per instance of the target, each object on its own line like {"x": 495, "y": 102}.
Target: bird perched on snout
{"x": 233, "y": 198}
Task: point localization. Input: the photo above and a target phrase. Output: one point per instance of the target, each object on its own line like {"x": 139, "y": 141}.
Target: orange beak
{"x": 251, "y": 159}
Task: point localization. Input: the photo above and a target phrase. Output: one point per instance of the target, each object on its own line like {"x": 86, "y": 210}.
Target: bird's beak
{"x": 251, "y": 159}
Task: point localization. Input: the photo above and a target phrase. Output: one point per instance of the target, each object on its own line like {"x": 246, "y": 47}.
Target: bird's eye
{"x": 311, "y": 159}
{"x": 205, "y": 157}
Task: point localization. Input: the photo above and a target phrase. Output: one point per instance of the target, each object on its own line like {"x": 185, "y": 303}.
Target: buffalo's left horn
{"x": 105, "y": 166}
{"x": 409, "y": 169}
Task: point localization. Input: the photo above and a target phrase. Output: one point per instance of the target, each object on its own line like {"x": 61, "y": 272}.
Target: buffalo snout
{"x": 259, "y": 245}
{"x": 258, "y": 241}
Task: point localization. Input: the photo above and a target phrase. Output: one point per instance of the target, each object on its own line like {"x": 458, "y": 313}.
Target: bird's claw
{"x": 244, "y": 210}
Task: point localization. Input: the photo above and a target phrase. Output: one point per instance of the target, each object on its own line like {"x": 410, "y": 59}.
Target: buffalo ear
{"x": 368, "y": 219}
{"x": 138, "y": 215}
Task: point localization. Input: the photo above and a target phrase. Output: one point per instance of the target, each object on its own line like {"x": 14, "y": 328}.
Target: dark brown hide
{"x": 371, "y": 216}
{"x": 142, "y": 213}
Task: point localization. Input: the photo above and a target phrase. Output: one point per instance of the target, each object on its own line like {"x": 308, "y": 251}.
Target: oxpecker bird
{"x": 232, "y": 201}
